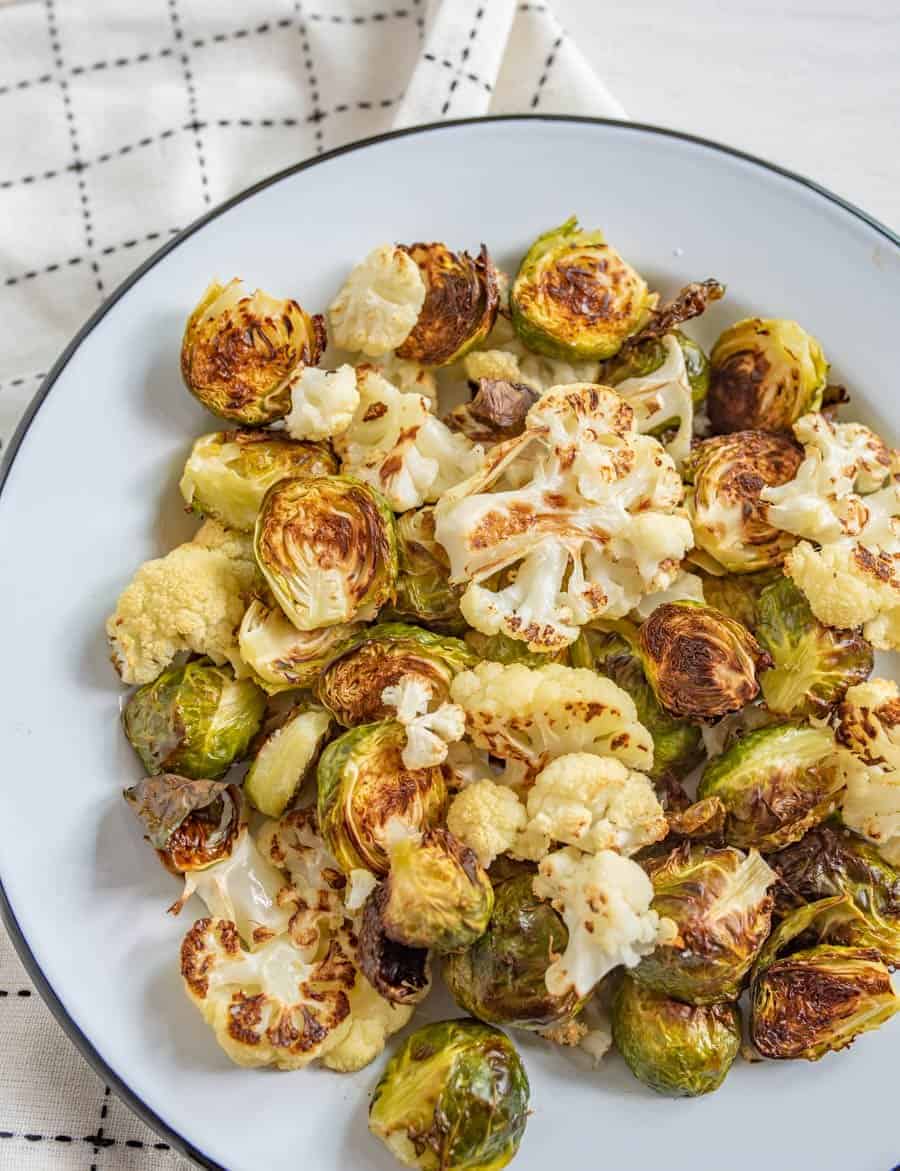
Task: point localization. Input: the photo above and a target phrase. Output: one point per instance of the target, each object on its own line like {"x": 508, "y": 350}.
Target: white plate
{"x": 90, "y": 492}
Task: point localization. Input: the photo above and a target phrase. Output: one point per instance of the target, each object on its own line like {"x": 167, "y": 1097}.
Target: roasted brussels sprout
{"x": 775, "y": 784}
{"x": 453, "y": 1098}
{"x": 698, "y": 819}
{"x": 574, "y": 297}
{"x": 500, "y": 648}
{"x": 363, "y": 785}
{"x": 720, "y": 903}
{"x": 283, "y": 658}
{"x": 436, "y": 896}
{"x": 737, "y": 594}
{"x": 814, "y": 665}
{"x": 682, "y": 1050}
{"x": 190, "y": 823}
{"x": 501, "y": 978}
{"x": 242, "y": 354}
{"x": 196, "y": 720}
{"x": 700, "y": 663}
{"x": 648, "y": 355}
{"x": 725, "y": 475}
{"x": 462, "y": 297}
{"x": 424, "y": 593}
{"x": 764, "y": 374}
{"x": 497, "y": 411}
{"x": 352, "y": 683}
{"x": 327, "y": 548}
{"x": 601, "y": 641}
{"x": 401, "y": 974}
{"x": 229, "y": 472}
{"x": 285, "y": 758}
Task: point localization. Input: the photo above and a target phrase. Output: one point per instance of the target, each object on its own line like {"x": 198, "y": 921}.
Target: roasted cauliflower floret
{"x": 428, "y": 733}
{"x": 605, "y": 902}
{"x": 869, "y": 729}
{"x": 409, "y": 376}
{"x": 663, "y": 400}
{"x": 322, "y": 403}
{"x": 379, "y": 304}
{"x": 372, "y": 1020}
{"x": 192, "y": 599}
{"x": 488, "y": 818}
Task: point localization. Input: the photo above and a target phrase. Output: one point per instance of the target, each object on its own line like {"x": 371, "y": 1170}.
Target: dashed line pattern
{"x": 73, "y": 261}
{"x": 464, "y": 56}
{"x": 192, "y": 99}
{"x": 312, "y": 80}
{"x": 548, "y": 65}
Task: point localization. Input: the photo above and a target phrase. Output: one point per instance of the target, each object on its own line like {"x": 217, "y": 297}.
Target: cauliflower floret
{"x": 409, "y": 376}
{"x": 372, "y": 1020}
{"x": 595, "y": 803}
{"x": 869, "y": 722}
{"x": 605, "y": 902}
{"x": 192, "y": 599}
{"x": 869, "y": 729}
{"x": 871, "y": 804}
{"x": 399, "y": 447}
{"x": 428, "y": 734}
{"x": 512, "y": 362}
{"x": 322, "y": 403}
{"x": 379, "y": 304}
{"x": 580, "y": 512}
{"x": 533, "y": 714}
{"x": 664, "y": 397}
{"x": 488, "y": 818}
{"x": 849, "y": 585}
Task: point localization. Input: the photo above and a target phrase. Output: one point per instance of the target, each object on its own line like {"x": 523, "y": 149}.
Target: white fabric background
{"x": 120, "y": 122}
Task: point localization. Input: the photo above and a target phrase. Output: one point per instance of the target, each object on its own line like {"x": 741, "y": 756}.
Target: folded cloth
{"x": 119, "y": 124}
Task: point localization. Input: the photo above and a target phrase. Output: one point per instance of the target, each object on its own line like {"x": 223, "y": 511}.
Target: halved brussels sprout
{"x": 196, "y": 720}
{"x": 649, "y": 355}
{"x": 281, "y": 657}
{"x": 363, "y": 785}
{"x": 682, "y": 1050}
{"x": 453, "y": 1098}
{"x": 725, "y": 475}
{"x": 241, "y": 353}
{"x": 462, "y": 297}
{"x": 436, "y": 894}
{"x": 501, "y": 978}
{"x": 379, "y": 657}
{"x": 701, "y": 663}
{"x": 764, "y": 374}
{"x": 737, "y": 594}
{"x": 285, "y": 758}
{"x": 574, "y": 297}
{"x": 775, "y": 784}
{"x": 327, "y": 548}
{"x": 401, "y": 974}
{"x": 229, "y": 472}
{"x": 190, "y": 823}
{"x": 814, "y": 665}
{"x": 720, "y": 903}
{"x": 424, "y": 593}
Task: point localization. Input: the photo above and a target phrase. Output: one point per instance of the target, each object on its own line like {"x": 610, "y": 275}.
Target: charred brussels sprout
{"x": 462, "y": 297}
{"x": 401, "y": 974}
{"x": 379, "y": 657}
{"x": 719, "y": 902}
{"x": 814, "y": 665}
{"x": 190, "y": 823}
{"x": 574, "y": 297}
{"x": 737, "y": 594}
{"x": 700, "y": 663}
{"x": 501, "y": 978}
{"x": 424, "y": 593}
{"x": 726, "y": 475}
{"x": 327, "y": 548}
{"x": 775, "y": 783}
{"x": 437, "y": 896}
{"x": 363, "y": 785}
{"x": 453, "y": 1098}
{"x": 285, "y": 758}
{"x": 196, "y": 719}
{"x": 764, "y": 374}
{"x": 649, "y": 355}
{"x": 242, "y": 354}
{"x": 280, "y": 656}
{"x": 682, "y": 1050}
{"x": 229, "y": 472}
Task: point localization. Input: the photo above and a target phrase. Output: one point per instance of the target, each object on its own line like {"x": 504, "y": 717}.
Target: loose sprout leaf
{"x": 207, "y": 812}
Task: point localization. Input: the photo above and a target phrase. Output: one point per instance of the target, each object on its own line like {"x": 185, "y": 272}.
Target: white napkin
{"x": 119, "y": 124}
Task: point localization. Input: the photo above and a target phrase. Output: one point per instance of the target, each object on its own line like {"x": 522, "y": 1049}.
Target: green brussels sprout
{"x": 725, "y": 476}
{"x": 500, "y": 648}
{"x": 400, "y": 974}
{"x": 814, "y": 664}
{"x": 775, "y": 784}
{"x": 737, "y": 594}
{"x": 720, "y": 903}
{"x": 196, "y": 720}
{"x": 352, "y": 683}
{"x": 575, "y": 298}
{"x": 190, "y": 823}
{"x": 501, "y": 978}
{"x": 701, "y": 663}
{"x": 327, "y": 548}
{"x": 806, "y": 1003}
{"x": 285, "y": 758}
{"x": 453, "y": 1098}
{"x": 241, "y": 354}
{"x": 283, "y": 658}
{"x": 462, "y": 296}
{"x": 229, "y": 472}
{"x": 424, "y": 593}
{"x": 645, "y": 357}
{"x": 764, "y": 374}
{"x": 682, "y": 1050}
{"x": 363, "y": 785}
{"x": 436, "y": 896}
{"x": 602, "y": 640}
{"x": 677, "y": 744}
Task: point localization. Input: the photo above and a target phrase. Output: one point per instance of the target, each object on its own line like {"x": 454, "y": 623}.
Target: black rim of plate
{"x": 111, "y": 1078}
